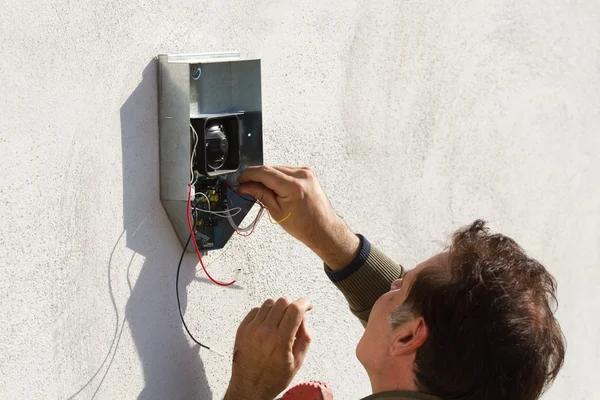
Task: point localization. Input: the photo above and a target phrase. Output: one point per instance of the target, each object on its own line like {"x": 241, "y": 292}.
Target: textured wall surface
{"x": 418, "y": 116}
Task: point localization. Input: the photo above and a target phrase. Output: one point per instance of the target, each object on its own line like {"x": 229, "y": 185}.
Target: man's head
{"x": 475, "y": 322}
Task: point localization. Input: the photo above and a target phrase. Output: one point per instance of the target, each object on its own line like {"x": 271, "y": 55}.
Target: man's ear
{"x": 409, "y": 337}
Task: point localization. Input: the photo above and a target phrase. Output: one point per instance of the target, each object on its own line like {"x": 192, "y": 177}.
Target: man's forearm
{"x": 338, "y": 246}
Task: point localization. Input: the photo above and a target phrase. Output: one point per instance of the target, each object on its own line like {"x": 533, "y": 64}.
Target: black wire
{"x": 177, "y": 291}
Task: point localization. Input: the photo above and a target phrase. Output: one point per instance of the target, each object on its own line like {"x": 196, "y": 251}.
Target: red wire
{"x": 254, "y": 223}
{"x": 255, "y": 220}
{"x": 189, "y": 219}
{"x": 262, "y": 209}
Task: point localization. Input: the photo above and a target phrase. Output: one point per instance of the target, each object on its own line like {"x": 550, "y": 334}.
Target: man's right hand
{"x": 296, "y": 192}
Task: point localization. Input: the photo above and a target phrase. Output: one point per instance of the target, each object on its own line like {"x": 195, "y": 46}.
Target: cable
{"x": 252, "y": 225}
{"x": 179, "y": 301}
{"x": 280, "y": 221}
{"x": 255, "y": 220}
{"x": 206, "y": 197}
{"x": 189, "y": 208}
{"x": 221, "y": 213}
{"x": 195, "y": 134}
{"x": 196, "y": 177}
{"x": 224, "y": 213}
{"x": 269, "y": 213}
{"x": 258, "y": 216}
{"x": 249, "y": 227}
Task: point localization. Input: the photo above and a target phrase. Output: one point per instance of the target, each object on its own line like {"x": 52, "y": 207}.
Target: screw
{"x": 196, "y": 73}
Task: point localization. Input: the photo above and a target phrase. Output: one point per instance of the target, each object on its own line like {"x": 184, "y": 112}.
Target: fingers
{"x": 250, "y": 316}
{"x": 296, "y": 172}
{"x": 280, "y": 314}
{"x": 273, "y": 179}
{"x": 292, "y": 318}
{"x": 276, "y": 314}
{"x": 261, "y": 193}
{"x": 302, "y": 342}
{"x": 263, "y": 311}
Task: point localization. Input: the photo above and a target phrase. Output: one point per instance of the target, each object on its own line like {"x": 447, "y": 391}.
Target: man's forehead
{"x": 438, "y": 260}
{"x": 435, "y": 261}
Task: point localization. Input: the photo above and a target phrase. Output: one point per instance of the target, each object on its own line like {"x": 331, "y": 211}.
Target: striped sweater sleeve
{"x": 367, "y": 277}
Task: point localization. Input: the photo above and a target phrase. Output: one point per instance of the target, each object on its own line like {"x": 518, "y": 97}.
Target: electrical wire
{"x": 206, "y": 197}
{"x": 189, "y": 208}
{"x": 269, "y": 213}
{"x": 224, "y": 213}
{"x": 195, "y": 134}
{"x": 247, "y": 228}
{"x": 179, "y": 301}
{"x": 221, "y": 213}
{"x": 253, "y": 225}
{"x": 280, "y": 221}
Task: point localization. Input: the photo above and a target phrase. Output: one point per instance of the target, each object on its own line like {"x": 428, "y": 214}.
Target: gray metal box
{"x": 197, "y": 87}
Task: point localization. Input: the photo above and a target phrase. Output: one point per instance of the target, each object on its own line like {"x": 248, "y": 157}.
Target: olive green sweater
{"x": 369, "y": 276}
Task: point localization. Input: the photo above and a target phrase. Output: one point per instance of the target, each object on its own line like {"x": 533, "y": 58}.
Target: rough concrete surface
{"x": 418, "y": 116}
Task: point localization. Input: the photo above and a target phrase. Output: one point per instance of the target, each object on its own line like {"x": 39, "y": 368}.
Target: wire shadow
{"x": 118, "y": 330}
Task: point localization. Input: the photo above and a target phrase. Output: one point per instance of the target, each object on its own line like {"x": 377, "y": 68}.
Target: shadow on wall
{"x": 172, "y": 367}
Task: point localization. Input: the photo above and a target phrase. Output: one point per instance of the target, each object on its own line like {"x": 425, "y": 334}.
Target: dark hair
{"x": 489, "y": 311}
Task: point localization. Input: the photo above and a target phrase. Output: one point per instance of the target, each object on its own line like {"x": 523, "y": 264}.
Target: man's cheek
{"x": 360, "y": 347}
{"x": 382, "y": 304}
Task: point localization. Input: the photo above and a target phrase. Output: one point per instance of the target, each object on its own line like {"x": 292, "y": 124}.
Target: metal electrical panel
{"x": 216, "y": 96}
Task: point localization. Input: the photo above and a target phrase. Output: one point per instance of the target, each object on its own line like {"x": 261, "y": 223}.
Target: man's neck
{"x": 397, "y": 381}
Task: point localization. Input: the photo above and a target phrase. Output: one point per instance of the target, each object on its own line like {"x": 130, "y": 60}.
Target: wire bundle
{"x": 229, "y": 214}
{"x": 195, "y": 135}
{"x": 191, "y": 227}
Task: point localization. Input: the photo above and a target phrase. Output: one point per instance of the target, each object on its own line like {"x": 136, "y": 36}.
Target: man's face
{"x": 375, "y": 343}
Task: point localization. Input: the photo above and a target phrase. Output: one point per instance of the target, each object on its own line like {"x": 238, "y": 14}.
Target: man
{"x": 474, "y": 322}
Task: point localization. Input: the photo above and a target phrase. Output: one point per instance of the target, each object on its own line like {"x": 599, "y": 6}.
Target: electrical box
{"x": 210, "y": 127}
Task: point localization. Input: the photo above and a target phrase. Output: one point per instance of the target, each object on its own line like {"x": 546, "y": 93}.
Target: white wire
{"x": 249, "y": 227}
{"x": 230, "y": 212}
{"x": 229, "y": 215}
{"x": 206, "y": 197}
{"x": 193, "y": 152}
{"x": 223, "y": 213}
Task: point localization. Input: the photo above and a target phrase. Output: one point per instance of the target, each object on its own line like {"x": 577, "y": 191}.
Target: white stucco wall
{"x": 418, "y": 116}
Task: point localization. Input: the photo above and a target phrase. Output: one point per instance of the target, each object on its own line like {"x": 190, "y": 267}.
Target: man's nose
{"x": 396, "y": 284}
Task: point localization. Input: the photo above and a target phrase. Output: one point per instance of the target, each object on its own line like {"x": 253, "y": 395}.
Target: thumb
{"x": 261, "y": 193}
{"x": 301, "y": 344}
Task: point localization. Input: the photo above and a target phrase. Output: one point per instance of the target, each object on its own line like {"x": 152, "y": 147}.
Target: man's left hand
{"x": 270, "y": 346}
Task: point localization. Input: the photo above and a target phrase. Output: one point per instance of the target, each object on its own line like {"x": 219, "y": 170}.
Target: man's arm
{"x": 368, "y": 276}
{"x": 272, "y": 341}
{"x": 294, "y": 195}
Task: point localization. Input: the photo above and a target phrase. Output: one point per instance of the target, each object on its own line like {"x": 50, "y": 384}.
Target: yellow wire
{"x": 269, "y": 214}
{"x": 280, "y": 221}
